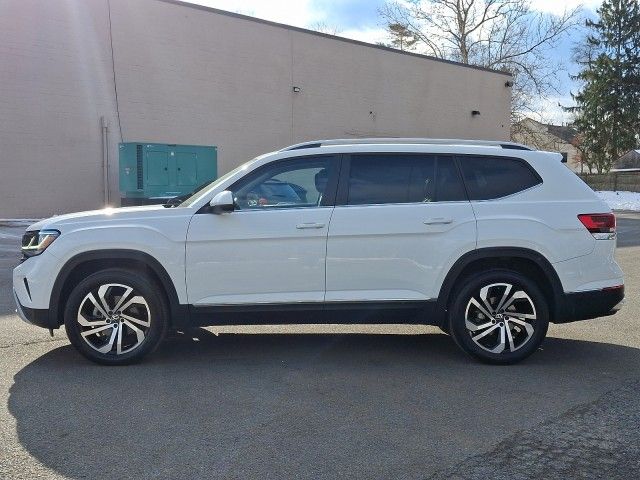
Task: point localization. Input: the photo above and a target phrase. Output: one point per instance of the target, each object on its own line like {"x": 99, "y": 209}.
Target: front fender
{"x": 165, "y": 244}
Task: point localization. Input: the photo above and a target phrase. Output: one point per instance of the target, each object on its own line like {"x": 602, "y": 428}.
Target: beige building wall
{"x": 56, "y": 82}
{"x": 190, "y": 75}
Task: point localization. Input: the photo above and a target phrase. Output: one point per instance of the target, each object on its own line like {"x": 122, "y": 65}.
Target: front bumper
{"x": 590, "y": 304}
{"x": 34, "y": 316}
{"x": 32, "y": 288}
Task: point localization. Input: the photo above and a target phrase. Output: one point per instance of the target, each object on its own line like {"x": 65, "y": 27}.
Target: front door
{"x": 272, "y": 248}
{"x": 399, "y": 223}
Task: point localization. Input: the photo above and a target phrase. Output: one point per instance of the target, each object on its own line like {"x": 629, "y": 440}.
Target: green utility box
{"x": 155, "y": 173}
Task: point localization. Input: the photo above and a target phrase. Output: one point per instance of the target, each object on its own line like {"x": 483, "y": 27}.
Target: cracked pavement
{"x": 224, "y": 403}
{"x": 594, "y": 440}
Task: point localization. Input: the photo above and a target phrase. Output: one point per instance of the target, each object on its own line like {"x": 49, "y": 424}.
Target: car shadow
{"x": 295, "y": 406}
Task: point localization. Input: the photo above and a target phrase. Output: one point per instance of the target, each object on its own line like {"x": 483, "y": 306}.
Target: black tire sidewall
{"x": 140, "y": 283}
{"x": 471, "y": 286}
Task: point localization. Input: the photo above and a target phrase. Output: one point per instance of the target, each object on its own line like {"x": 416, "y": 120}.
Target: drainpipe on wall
{"x": 105, "y": 159}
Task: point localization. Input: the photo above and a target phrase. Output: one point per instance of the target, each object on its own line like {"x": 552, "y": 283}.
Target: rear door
{"x": 400, "y": 222}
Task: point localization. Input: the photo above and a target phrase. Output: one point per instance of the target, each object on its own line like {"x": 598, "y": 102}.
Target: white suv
{"x": 490, "y": 241}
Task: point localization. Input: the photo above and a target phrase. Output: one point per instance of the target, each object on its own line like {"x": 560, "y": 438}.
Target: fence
{"x": 614, "y": 181}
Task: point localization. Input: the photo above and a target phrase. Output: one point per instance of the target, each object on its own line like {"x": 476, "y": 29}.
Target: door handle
{"x": 438, "y": 221}
{"x": 303, "y": 226}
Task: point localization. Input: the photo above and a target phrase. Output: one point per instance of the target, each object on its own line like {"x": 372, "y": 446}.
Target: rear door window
{"x": 379, "y": 179}
{"x": 376, "y": 179}
{"x": 488, "y": 178}
{"x": 449, "y": 187}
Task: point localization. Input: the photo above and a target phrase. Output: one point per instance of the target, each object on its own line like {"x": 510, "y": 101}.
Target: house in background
{"x": 554, "y": 138}
{"x": 630, "y": 161}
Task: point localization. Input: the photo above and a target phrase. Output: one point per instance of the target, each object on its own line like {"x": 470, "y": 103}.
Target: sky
{"x": 359, "y": 20}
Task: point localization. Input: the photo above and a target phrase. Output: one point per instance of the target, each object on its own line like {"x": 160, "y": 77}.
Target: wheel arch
{"x": 522, "y": 260}
{"x": 87, "y": 262}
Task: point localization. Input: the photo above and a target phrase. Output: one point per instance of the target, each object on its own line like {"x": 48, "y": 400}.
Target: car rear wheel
{"x": 116, "y": 316}
{"x": 499, "y": 317}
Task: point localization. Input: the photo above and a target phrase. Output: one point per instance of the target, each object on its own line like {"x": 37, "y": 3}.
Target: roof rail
{"x": 413, "y": 141}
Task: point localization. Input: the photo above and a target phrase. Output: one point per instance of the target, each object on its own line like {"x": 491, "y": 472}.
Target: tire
{"x": 120, "y": 335}
{"x": 490, "y": 332}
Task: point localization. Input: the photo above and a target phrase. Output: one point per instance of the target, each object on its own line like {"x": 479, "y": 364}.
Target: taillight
{"x": 601, "y": 225}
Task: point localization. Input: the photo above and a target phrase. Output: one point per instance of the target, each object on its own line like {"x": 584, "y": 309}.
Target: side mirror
{"x": 222, "y": 203}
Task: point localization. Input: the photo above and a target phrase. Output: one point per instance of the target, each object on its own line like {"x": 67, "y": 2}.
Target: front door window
{"x": 301, "y": 183}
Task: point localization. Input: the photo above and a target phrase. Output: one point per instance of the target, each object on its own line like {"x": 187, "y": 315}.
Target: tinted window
{"x": 375, "y": 179}
{"x": 379, "y": 179}
{"x": 422, "y": 181}
{"x": 449, "y": 187}
{"x": 495, "y": 177}
{"x": 286, "y": 184}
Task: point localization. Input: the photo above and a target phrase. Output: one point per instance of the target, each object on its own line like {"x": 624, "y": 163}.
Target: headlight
{"x": 36, "y": 242}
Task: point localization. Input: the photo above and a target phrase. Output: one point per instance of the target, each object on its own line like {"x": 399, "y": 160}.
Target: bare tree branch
{"x": 500, "y": 34}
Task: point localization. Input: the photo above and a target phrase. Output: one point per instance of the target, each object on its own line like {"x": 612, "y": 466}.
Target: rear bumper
{"x": 590, "y": 304}
{"x": 34, "y": 316}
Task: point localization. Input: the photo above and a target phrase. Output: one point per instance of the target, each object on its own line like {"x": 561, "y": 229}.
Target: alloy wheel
{"x": 500, "y": 318}
{"x": 114, "y": 319}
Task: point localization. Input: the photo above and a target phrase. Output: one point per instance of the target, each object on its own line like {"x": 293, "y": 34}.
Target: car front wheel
{"x": 116, "y": 316}
{"x": 499, "y": 317}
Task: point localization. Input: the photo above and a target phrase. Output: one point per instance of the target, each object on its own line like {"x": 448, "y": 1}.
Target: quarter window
{"x": 382, "y": 179}
{"x": 494, "y": 177}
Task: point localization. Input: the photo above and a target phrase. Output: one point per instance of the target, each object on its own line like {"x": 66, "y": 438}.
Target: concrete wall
{"x": 189, "y": 75}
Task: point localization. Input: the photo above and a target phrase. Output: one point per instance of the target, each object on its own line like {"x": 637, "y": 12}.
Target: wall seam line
{"x": 113, "y": 69}
{"x": 293, "y": 97}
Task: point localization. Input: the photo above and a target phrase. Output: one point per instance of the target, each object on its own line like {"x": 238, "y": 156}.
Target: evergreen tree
{"x": 401, "y": 37}
{"x": 608, "y": 105}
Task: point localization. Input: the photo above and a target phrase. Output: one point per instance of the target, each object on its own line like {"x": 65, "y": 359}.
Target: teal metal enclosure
{"x": 154, "y": 172}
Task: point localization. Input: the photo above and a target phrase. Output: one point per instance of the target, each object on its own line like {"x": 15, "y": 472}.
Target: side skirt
{"x": 348, "y": 313}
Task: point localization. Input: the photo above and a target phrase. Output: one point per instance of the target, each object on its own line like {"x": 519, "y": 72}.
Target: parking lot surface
{"x": 397, "y": 402}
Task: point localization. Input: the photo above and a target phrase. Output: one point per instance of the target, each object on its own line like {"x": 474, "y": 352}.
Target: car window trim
{"x": 279, "y": 209}
{"x": 414, "y": 204}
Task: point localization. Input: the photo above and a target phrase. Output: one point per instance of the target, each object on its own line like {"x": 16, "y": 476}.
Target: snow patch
{"x": 621, "y": 200}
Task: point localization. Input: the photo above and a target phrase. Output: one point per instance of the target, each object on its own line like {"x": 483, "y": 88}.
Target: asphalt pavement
{"x": 393, "y": 402}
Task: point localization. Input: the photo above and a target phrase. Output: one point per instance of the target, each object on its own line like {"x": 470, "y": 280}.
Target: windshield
{"x": 198, "y": 193}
